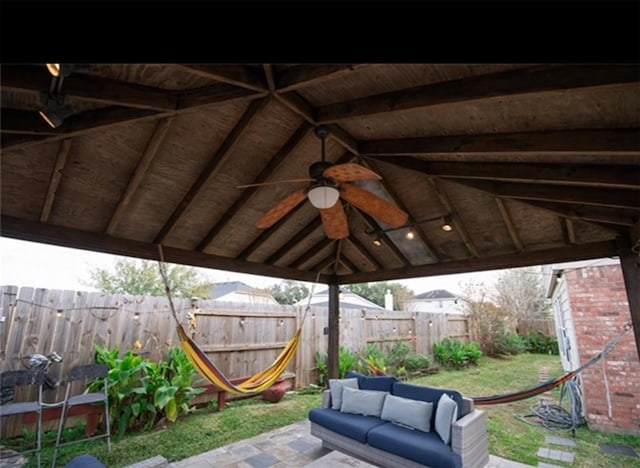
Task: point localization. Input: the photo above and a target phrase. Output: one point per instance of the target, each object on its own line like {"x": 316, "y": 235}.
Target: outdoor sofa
{"x": 390, "y": 423}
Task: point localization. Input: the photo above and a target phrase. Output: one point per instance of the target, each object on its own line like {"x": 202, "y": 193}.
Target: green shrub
{"x": 322, "y": 369}
{"x": 539, "y": 343}
{"x": 347, "y": 361}
{"x": 510, "y": 344}
{"x": 376, "y": 357}
{"x": 418, "y": 362}
{"x": 455, "y": 354}
{"x": 142, "y": 392}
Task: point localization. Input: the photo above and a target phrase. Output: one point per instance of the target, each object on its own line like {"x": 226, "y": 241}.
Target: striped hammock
{"x": 256, "y": 384}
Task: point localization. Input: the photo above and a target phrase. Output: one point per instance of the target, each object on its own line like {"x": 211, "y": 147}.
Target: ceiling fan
{"x": 329, "y": 183}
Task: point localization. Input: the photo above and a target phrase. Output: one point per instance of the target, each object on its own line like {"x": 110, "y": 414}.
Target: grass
{"x": 510, "y": 437}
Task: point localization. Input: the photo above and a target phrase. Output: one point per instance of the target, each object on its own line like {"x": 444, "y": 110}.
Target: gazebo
{"x": 481, "y": 166}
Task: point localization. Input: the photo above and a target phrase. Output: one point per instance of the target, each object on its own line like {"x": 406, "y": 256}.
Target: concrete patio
{"x": 289, "y": 446}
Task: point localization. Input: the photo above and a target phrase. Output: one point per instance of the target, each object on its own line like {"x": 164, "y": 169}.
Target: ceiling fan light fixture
{"x": 323, "y": 196}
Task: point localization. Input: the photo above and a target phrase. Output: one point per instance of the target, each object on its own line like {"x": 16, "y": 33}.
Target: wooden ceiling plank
{"x": 311, "y": 252}
{"x": 324, "y": 264}
{"x": 374, "y": 226}
{"x": 588, "y": 213}
{"x": 211, "y": 168}
{"x": 348, "y": 264}
{"x": 338, "y": 255}
{"x": 54, "y": 181}
{"x": 34, "y": 231}
{"x": 458, "y": 227}
{"x": 513, "y": 232}
{"x": 90, "y": 88}
{"x": 275, "y": 162}
{"x": 362, "y": 250}
{"x": 343, "y": 138}
{"x": 537, "y": 79}
{"x": 153, "y": 145}
{"x": 614, "y": 141}
{"x": 589, "y": 175}
{"x": 571, "y": 233}
{"x": 529, "y": 258}
{"x": 297, "y": 105}
{"x": 216, "y": 94}
{"x": 236, "y": 75}
{"x": 615, "y": 198}
{"x": 300, "y": 236}
{"x": 306, "y": 75}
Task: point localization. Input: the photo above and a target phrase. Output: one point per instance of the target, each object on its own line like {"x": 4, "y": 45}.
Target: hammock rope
{"x": 543, "y": 387}
{"x": 207, "y": 368}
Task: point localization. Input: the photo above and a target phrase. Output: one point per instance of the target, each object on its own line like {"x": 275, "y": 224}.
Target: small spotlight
{"x": 65, "y": 69}
{"x": 447, "y": 224}
{"x": 55, "y": 110}
{"x": 377, "y": 242}
{"x": 409, "y": 235}
{"x": 54, "y": 69}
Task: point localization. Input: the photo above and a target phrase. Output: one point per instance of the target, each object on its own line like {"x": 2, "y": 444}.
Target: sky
{"x": 30, "y": 264}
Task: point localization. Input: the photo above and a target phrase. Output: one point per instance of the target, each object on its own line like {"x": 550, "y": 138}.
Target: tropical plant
{"x": 510, "y": 343}
{"x": 539, "y": 343}
{"x": 455, "y": 354}
{"x": 347, "y": 361}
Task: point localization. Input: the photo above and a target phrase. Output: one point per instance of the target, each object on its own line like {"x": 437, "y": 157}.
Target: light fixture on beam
{"x": 54, "y": 109}
{"x": 65, "y": 69}
{"x": 447, "y": 226}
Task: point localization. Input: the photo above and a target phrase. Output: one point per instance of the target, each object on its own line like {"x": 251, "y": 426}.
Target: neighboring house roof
{"x": 436, "y": 294}
{"x": 348, "y": 300}
{"x": 221, "y": 290}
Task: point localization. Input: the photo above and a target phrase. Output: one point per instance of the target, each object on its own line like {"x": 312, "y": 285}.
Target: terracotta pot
{"x": 275, "y": 393}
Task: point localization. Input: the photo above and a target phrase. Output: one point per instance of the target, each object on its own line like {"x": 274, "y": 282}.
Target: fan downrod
{"x": 322, "y": 132}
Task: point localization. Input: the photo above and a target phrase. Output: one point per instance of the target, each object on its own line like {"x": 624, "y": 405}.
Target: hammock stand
{"x": 207, "y": 368}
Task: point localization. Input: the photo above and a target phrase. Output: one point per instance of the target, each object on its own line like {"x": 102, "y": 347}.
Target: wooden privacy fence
{"x": 240, "y": 338}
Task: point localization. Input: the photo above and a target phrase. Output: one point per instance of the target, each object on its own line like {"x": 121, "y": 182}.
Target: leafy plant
{"x": 142, "y": 392}
{"x": 418, "y": 362}
{"x": 347, "y": 361}
{"x": 376, "y": 358}
{"x": 510, "y": 344}
{"x": 455, "y": 354}
{"x": 322, "y": 369}
{"x": 539, "y": 343}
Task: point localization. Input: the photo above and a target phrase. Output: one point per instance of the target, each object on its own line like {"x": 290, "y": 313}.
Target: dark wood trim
{"x": 539, "y": 79}
{"x": 388, "y": 243}
{"x": 630, "y": 263}
{"x": 618, "y": 198}
{"x": 268, "y": 75}
{"x": 348, "y": 264}
{"x": 67, "y": 237}
{"x": 54, "y": 181}
{"x": 214, "y": 162}
{"x": 90, "y": 88}
{"x": 153, "y": 145}
{"x": 614, "y": 141}
{"x": 516, "y": 260}
{"x": 588, "y": 175}
{"x": 571, "y": 233}
{"x": 268, "y": 170}
{"x": 344, "y": 138}
{"x": 297, "y": 105}
{"x": 310, "y": 253}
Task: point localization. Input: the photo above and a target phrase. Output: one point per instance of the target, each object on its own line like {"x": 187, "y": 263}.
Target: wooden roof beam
{"x": 312, "y": 226}
{"x": 269, "y": 169}
{"x": 362, "y": 250}
{"x": 310, "y": 253}
{"x": 236, "y": 75}
{"x": 212, "y": 166}
{"x": 607, "y": 141}
{"x": 54, "y": 181}
{"x": 513, "y": 232}
{"x": 537, "y": 79}
{"x": 306, "y": 75}
{"x": 153, "y": 145}
{"x": 588, "y": 213}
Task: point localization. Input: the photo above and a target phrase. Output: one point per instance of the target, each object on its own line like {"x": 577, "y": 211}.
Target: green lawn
{"x": 510, "y": 437}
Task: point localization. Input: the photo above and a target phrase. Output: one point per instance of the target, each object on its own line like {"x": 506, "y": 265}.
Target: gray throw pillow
{"x": 446, "y": 415}
{"x": 365, "y": 402}
{"x": 336, "y": 385}
{"x": 408, "y": 412}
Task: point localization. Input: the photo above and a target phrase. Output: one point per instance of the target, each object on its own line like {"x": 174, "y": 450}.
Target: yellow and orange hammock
{"x": 258, "y": 383}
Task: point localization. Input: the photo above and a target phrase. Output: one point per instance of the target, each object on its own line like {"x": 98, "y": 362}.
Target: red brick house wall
{"x": 600, "y": 310}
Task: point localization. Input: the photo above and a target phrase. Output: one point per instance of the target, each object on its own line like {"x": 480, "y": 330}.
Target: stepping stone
{"x": 560, "y": 441}
{"x": 618, "y": 450}
{"x": 557, "y": 455}
{"x": 547, "y": 465}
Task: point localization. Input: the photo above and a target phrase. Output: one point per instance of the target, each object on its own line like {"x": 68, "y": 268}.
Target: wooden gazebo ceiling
{"x": 533, "y": 163}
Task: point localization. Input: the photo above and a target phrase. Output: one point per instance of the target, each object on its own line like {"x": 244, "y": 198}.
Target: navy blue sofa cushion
{"x": 418, "y": 392}
{"x": 381, "y": 383}
{"x": 350, "y": 425}
{"x": 422, "y": 447}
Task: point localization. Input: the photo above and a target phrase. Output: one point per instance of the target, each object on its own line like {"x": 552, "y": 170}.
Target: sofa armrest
{"x": 470, "y": 439}
{"x": 326, "y": 399}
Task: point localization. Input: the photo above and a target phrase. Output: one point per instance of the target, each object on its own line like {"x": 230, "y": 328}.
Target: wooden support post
{"x": 630, "y": 262}
{"x": 334, "y": 330}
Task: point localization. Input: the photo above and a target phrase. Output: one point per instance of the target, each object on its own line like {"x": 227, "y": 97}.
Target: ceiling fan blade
{"x": 374, "y": 205}
{"x": 335, "y": 222}
{"x": 277, "y": 212}
{"x": 276, "y": 182}
{"x": 350, "y": 172}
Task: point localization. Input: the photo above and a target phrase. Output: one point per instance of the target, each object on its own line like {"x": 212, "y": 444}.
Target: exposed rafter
{"x": 237, "y": 75}
{"x": 54, "y": 181}
{"x": 508, "y": 222}
{"x": 302, "y": 76}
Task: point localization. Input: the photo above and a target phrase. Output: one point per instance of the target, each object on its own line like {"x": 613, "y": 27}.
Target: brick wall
{"x": 600, "y": 310}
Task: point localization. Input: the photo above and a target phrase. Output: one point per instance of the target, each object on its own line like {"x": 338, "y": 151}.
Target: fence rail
{"x": 240, "y": 338}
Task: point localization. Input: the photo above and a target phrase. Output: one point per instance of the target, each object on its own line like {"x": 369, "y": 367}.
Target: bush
{"x": 539, "y": 343}
{"x": 347, "y": 361}
{"x": 455, "y": 354}
{"x": 418, "y": 362}
{"x": 510, "y": 344}
{"x": 142, "y": 392}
